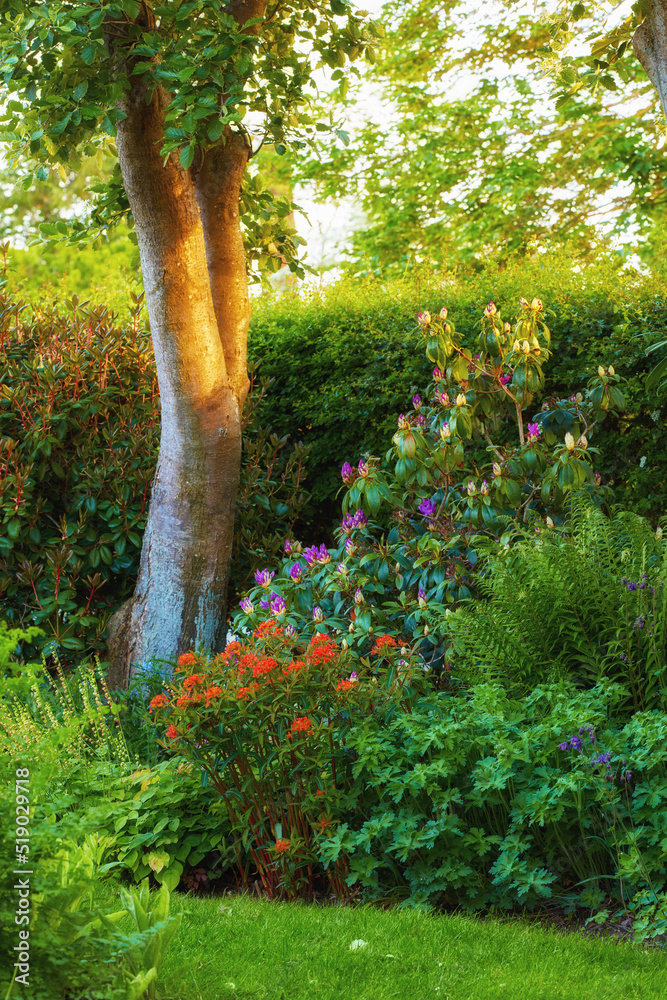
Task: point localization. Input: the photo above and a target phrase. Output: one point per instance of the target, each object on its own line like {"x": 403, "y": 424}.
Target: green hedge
{"x": 347, "y": 359}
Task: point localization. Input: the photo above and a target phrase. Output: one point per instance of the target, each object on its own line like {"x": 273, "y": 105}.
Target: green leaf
{"x": 187, "y": 156}
{"x": 80, "y": 90}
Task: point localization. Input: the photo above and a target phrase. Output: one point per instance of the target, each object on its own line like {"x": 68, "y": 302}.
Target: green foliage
{"x": 79, "y": 433}
{"x": 586, "y": 603}
{"x": 471, "y": 801}
{"x": 266, "y": 724}
{"x": 155, "y": 930}
{"x": 468, "y": 153}
{"x": 345, "y": 360}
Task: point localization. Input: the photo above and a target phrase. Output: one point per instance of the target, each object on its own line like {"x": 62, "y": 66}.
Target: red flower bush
{"x": 256, "y": 707}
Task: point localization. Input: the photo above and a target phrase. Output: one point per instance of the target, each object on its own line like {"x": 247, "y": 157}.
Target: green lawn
{"x": 255, "y": 950}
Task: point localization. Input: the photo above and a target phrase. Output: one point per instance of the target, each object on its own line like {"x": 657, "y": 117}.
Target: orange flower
{"x": 293, "y": 667}
{"x": 320, "y": 792}
{"x": 344, "y": 685}
{"x": 265, "y": 628}
{"x": 172, "y": 732}
{"x": 322, "y": 649}
{"x": 159, "y": 701}
{"x": 192, "y": 680}
{"x": 281, "y": 846}
{"x": 302, "y": 725}
{"x": 245, "y": 692}
{"x": 265, "y": 666}
{"x": 187, "y": 660}
{"x": 324, "y": 823}
{"x": 213, "y": 692}
{"x": 248, "y": 662}
{"x": 233, "y": 647}
{"x": 382, "y": 642}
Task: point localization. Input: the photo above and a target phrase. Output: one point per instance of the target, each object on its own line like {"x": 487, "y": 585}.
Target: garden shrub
{"x": 587, "y": 601}
{"x": 79, "y": 432}
{"x": 412, "y": 527}
{"x": 265, "y": 723}
{"x": 486, "y": 800}
{"x": 157, "y": 816}
{"x": 345, "y": 362}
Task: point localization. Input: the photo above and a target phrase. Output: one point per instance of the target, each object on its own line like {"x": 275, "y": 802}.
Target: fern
{"x": 586, "y": 601}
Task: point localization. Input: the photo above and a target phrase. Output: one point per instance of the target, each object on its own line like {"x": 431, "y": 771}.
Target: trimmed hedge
{"x": 348, "y": 358}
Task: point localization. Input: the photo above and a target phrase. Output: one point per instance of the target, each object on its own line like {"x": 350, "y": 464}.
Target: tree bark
{"x": 200, "y": 351}
{"x": 650, "y": 46}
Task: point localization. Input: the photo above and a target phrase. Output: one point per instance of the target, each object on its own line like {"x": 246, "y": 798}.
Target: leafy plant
{"x": 147, "y": 947}
{"x": 587, "y": 601}
{"x": 265, "y": 722}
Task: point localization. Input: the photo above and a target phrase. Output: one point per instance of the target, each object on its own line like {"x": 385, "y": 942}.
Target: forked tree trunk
{"x": 194, "y": 272}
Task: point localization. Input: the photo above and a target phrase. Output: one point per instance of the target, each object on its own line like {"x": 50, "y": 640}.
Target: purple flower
{"x": 290, "y": 631}
{"x": 533, "y": 431}
{"x": 427, "y": 508}
{"x": 490, "y": 310}
{"x": 416, "y": 402}
{"x": 264, "y": 603}
{"x": 597, "y": 478}
{"x": 350, "y": 547}
{"x": 295, "y": 573}
{"x": 348, "y": 524}
{"x": 247, "y": 606}
{"x": 278, "y": 605}
{"x": 437, "y": 374}
{"x": 318, "y": 614}
{"x": 358, "y": 596}
{"x": 353, "y": 676}
{"x": 264, "y": 577}
{"x": 505, "y": 379}
{"x": 573, "y": 397}
{"x": 310, "y": 555}
{"x": 362, "y": 468}
{"x": 575, "y": 743}
{"x": 347, "y": 473}
{"x": 323, "y": 554}
{"x": 360, "y": 519}
{"x": 564, "y": 746}
{"x": 639, "y": 624}
{"x": 602, "y": 758}
{"x": 626, "y": 776}
{"x": 420, "y": 420}
{"x": 421, "y": 594}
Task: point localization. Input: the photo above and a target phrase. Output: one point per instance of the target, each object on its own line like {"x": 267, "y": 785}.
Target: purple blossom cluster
{"x": 295, "y": 573}
{"x": 352, "y": 521}
{"x": 427, "y": 507}
{"x": 348, "y": 475}
{"x": 314, "y": 555}
{"x": 641, "y": 585}
{"x": 264, "y": 577}
{"x": 276, "y": 604}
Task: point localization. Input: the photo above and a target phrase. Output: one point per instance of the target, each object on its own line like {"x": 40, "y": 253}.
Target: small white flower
{"x": 357, "y": 944}
{"x": 642, "y": 461}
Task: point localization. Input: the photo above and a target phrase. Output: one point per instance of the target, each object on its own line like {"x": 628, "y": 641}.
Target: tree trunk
{"x": 194, "y": 271}
{"x": 650, "y": 45}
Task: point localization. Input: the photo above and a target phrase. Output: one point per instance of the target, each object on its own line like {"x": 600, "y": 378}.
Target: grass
{"x": 250, "y": 949}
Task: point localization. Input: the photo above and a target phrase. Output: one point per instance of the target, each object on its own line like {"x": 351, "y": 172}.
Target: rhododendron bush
{"x": 406, "y": 549}
{"x": 266, "y": 723}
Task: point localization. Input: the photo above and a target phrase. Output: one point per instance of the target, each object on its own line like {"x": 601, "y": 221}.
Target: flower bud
{"x": 525, "y": 347}
{"x": 507, "y": 329}
{"x": 443, "y": 313}
{"x": 397, "y": 569}
{"x": 569, "y": 442}
{"x": 445, "y": 433}
{"x": 523, "y": 303}
{"x": 550, "y": 522}
{"x": 484, "y": 488}
{"x": 497, "y": 469}
{"x": 424, "y": 318}
{"x": 344, "y": 645}
{"x": 358, "y": 597}
{"x": 536, "y": 304}
{"x": 601, "y": 371}
{"x": 490, "y": 310}
{"x": 658, "y": 534}
{"x": 460, "y": 399}
{"x": 582, "y": 442}
{"x": 426, "y": 629}
{"x": 611, "y": 370}
{"x": 351, "y": 628}
{"x": 404, "y": 650}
